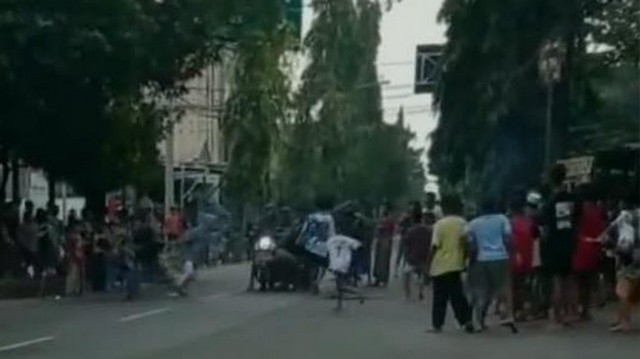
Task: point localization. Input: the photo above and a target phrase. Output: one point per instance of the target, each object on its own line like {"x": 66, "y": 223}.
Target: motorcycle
{"x": 277, "y": 266}
{"x": 263, "y": 254}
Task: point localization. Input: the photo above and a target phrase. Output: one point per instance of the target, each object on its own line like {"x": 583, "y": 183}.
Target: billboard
{"x": 428, "y": 67}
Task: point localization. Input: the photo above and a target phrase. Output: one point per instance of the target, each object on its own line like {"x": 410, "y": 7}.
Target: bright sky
{"x": 409, "y": 23}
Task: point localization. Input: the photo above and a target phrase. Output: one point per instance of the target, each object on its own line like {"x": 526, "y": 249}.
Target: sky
{"x": 408, "y": 24}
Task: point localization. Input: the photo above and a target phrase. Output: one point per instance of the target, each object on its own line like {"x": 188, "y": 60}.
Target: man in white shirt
{"x": 340, "y": 250}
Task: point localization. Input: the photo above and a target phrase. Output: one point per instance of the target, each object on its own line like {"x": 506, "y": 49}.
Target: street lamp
{"x": 551, "y": 57}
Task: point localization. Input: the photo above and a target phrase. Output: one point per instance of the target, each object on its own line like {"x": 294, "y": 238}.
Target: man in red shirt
{"x": 174, "y": 224}
{"x": 586, "y": 259}
{"x": 524, "y": 235}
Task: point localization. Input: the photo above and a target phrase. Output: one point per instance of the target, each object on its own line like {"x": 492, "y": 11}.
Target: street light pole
{"x": 551, "y": 57}
{"x": 548, "y": 141}
{"x": 168, "y": 170}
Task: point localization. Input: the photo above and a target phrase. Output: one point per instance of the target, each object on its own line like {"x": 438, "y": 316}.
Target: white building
{"x": 195, "y": 151}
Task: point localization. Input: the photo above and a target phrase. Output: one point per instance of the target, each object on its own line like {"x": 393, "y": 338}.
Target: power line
{"x": 397, "y": 63}
{"x": 398, "y": 86}
{"x": 398, "y": 97}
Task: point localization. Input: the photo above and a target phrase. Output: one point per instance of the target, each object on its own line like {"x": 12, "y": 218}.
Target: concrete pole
{"x": 182, "y": 185}
{"x": 548, "y": 140}
{"x": 168, "y": 171}
{"x": 63, "y": 189}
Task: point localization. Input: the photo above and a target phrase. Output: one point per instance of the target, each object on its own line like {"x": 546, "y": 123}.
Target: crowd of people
{"x": 529, "y": 257}
{"x": 113, "y": 253}
{"x": 533, "y": 258}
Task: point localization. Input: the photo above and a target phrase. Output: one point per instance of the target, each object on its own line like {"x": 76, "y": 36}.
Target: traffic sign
{"x": 579, "y": 169}
{"x": 428, "y": 67}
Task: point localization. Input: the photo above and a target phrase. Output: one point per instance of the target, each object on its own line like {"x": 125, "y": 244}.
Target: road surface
{"x": 221, "y": 320}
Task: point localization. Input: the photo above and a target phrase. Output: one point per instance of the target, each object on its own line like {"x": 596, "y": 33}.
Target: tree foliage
{"x": 491, "y": 99}
{"x": 86, "y": 85}
{"x": 256, "y": 109}
{"x": 338, "y": 144}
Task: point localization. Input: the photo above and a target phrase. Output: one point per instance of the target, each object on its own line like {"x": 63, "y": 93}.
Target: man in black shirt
{"x": 557, "y": 248}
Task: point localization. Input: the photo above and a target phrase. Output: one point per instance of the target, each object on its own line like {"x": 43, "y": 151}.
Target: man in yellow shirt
{"x": 446, "y": 264}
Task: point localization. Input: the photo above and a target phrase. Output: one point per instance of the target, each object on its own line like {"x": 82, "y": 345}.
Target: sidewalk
{"x": 28, "y": 288}
{"x": 15, "y": 290}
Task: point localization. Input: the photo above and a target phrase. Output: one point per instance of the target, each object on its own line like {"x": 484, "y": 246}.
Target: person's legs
{"x": 584, "y": 281}
{"x": 558, "y": 301}
{"x": 72, "y": 286}
{"x": 501, "y": 282}
{"x": 421, "y": 283}
{"x": 439, "y": 305}
{"x": 133, "y": 281}
{"x": 544, "y": 292}
{"x": 623, "y": 290}
{"x": 406, "y": 282}
{"x": 461, "y": 308}
{"x": 569, "y": 297}
{"x": 481, "y": 292}
{"x": 609, "y": 278}
{"x": 518, "y": 292}
{"x": 185, "y": 278}
{"x": 100, "y": 273}
{"x": 319, "y": 275}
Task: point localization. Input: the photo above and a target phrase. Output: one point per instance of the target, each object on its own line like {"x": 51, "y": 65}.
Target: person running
{"x": 341, "y": 250}
{"x": 489, "y": 238}
{"x": 524, "y": 238}
{"x": 586, "y": 259}
{"x": 415, "y": 246}
{"x": 557, "y": 248}
{"x": 446, "y": 263}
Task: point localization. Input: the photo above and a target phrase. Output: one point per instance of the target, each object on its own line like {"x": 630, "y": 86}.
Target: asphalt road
{"x": 221, "y": 320}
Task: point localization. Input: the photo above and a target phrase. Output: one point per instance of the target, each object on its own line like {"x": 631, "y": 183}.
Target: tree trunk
{"x": 96, "y": 203}
{"x": 51, "y": 189}
{"x": 4, "y": 162}
{"x": 15, "y": 178}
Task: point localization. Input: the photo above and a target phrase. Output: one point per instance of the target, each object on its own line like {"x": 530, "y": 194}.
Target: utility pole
{"x": 168, "y": 170}
{"x": 551, "y": 58}
{"x": 15, "y": 178}
{"x": 548, "y": 140}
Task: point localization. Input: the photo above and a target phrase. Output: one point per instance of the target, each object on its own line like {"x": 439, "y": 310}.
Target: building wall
{"x": 197, "y": 136}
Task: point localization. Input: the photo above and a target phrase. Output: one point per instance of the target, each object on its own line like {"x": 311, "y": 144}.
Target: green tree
{"x": 256, "y": 109}
{"x": 338, "y": 143}
{"x": 491, "y": 99}
{"x": 86, "y": 86}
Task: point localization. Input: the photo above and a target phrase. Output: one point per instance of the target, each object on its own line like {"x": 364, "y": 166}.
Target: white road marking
{"x": 133, "y": 317}
{"x": 27, "y": 343}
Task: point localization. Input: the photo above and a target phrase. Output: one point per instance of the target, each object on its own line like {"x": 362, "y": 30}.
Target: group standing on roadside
{"x": 564, "y": 255}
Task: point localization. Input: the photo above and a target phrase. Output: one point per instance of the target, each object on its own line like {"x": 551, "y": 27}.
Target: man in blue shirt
{"x": 489, "y": 238}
